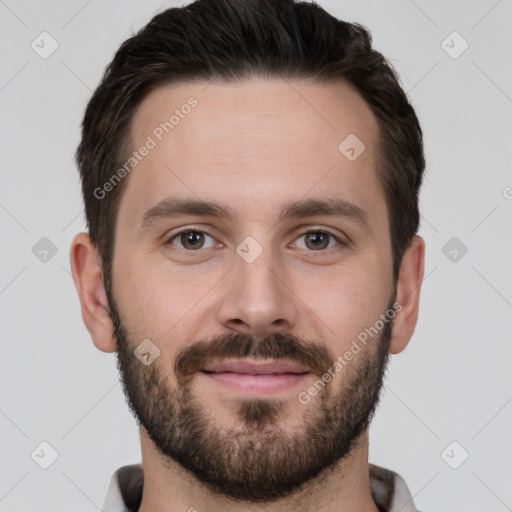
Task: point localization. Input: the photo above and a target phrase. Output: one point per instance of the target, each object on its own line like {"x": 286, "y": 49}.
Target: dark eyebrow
{"x": 335, "y": 207}
{"x": 175, "y": 207}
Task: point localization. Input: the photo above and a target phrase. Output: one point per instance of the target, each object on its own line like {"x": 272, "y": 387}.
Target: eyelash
{"x": 309, "y": 231}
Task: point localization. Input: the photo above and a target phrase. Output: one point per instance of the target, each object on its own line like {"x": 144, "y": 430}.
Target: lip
{"x": 256, "y": 378}
{"x": 253, "y": 368}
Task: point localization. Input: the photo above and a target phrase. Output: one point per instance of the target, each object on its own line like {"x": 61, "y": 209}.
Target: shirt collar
{"x": 389, "y": 490}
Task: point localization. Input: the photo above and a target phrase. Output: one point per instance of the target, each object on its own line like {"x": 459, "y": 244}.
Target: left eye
{"x": 192, "y": 240}
{"x": 317, "y": 240}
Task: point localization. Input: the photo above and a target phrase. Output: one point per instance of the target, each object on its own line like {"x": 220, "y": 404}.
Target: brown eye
{"x": 191, "y": 240}
{"x": 317, "y": 240}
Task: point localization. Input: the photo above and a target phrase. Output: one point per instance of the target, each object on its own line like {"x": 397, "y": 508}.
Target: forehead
{"x": 216, "y": 139}
{"x": 318, "y": 111}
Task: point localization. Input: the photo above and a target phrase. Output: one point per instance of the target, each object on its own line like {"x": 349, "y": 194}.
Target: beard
{"x": 257, "y": 460}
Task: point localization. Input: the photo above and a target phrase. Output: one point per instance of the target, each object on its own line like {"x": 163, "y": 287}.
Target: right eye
{"x": 191, "y": 240}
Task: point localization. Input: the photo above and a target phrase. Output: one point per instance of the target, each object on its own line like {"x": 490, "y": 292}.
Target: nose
{"x": 257, "y": 298}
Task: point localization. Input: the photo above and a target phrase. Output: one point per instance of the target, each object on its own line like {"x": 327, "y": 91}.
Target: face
{"x": 253, "y": 254}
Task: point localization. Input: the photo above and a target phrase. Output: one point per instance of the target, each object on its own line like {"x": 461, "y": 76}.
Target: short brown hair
{"x": 233, "y": 40}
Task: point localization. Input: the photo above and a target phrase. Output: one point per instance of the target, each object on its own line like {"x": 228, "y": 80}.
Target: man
{"x": 250, "y": 172}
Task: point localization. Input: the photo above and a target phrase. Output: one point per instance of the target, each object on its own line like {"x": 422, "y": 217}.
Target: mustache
{"x": 314, "y": 357}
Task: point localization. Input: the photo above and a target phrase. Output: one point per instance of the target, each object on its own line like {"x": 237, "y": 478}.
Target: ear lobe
{"x": 408, "y": 294}
{"x": 88, "y": 277}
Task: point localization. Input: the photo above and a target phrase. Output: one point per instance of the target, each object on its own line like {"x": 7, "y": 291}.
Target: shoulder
{"x": 389, "y": 490}
{"x": 125, "y": 490}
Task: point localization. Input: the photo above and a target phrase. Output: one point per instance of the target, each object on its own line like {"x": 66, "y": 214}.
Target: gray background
{"x": 451, "y": 384}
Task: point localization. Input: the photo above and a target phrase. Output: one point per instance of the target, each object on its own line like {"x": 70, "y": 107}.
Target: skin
{"x": 253, "y": 146}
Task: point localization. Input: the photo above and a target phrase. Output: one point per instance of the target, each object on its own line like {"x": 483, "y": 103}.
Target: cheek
{"x": 350, "y": 301}
{"x": 149, "y": 297}
{"x": 160, "y": 303}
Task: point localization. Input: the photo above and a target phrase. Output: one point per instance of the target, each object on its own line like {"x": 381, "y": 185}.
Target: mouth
{"x": 256, "y": 378}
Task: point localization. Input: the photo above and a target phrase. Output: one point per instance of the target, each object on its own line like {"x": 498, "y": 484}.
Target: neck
{"x": 170, "y": 488}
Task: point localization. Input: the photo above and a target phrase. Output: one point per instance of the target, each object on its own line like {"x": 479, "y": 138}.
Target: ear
{"x": 88, "y": 277}
{"x": 408, "y": 294}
